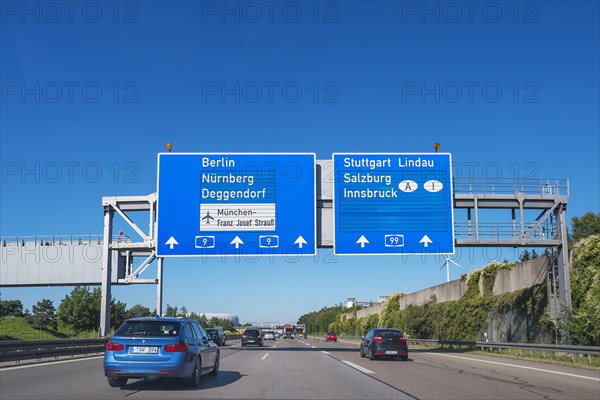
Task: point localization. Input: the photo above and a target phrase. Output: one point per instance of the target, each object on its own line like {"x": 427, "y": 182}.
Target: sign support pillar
{"x": 159, "y": 286}
{"x": 564, "y": 275}
{"x": 106, "y": 272}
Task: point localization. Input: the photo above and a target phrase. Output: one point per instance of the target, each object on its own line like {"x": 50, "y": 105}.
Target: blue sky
{"x": 91, "y": 93}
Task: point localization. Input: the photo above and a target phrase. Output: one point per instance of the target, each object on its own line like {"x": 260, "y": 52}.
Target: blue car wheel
{"x": 117, "y": 382}
{"x": 194, "y": 380}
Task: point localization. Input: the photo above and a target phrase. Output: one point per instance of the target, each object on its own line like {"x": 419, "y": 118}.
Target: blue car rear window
{"x": 149, "y": 329}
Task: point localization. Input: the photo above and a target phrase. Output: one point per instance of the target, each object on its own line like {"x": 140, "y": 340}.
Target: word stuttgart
{"x": 366, "y": 162}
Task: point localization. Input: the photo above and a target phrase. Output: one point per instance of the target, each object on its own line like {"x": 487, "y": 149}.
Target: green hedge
{"x": 463, "y": 319}
{"x": 467, "y": 318}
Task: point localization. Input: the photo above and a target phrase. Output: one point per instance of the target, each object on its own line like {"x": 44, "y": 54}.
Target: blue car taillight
{"x": 112, "y": 346}
{"x": 178, "y": 347}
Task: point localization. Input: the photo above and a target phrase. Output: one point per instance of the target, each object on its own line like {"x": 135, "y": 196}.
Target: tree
{"x": 216, "y": 321}
{"x": 182, "y": 312}
{"x": 11, "y": 308}
{"x": 526, "y": 255}
{"x": 118, "y": 315}
{"x": 319, "y": 321}
{"x": 199, "y": 318}
{"x": 171, "y": 311}
{"x": 44, "y": 315}
{"x": 138, "y": 311}
{"x": 81, "y": 310}
{"x": 585, "y": 284}
{"x": 203, "y": 320}
{"x": 390, "y": 312}
{"x": 585, "y": 226}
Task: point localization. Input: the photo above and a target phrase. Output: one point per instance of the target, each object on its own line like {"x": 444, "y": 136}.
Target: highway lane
{"x": 308, "y": 369}
{"x": 429, "y": 375}
{"x": 284, "y": 369}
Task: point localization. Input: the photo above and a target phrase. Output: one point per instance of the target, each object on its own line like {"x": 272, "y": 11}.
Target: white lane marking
{"x": 48, "y": 363}
{"x": 520, "y": 366}
{"x": 350, "y": 347}
{"x": 312, "y": 347}
{"x": 358, "y": 367}
{"x": 325, "y": 352}
{"x": 265, "y": 356}
{"x": 308, "y": 344}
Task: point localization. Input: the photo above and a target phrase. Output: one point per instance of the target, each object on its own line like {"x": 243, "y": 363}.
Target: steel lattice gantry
{"x": 144, "y": 248}
{"x": 546, "y": 199}
{"x": 514, "y": 199}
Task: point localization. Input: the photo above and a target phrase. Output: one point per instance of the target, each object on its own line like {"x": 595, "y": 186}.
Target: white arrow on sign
{"x": 171, "y": 242}
{"x": 362, "y": 240}
{"x": 425, "y": 240}
{"x": 300, "y": 241}
{"x": 237, "y": 241}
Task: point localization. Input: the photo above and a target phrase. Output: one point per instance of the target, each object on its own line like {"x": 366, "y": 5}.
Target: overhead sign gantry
{"x": 352, "y": 211}
{"x": 212, "y": 204}
{"x": 395, "y": 203}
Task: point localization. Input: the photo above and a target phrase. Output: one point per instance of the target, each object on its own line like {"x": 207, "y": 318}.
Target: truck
{"x": 300, "y": 330}
{"x": 288, "y": 331}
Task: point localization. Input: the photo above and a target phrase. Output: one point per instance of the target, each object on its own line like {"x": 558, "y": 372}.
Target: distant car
{"x": 277, "y": 335}
{"x": 160, "y": 347}
{"x": 216, "y": 335}
{"x": 269, "y": 335}
{"x": 384, "y": 342}
{"x": 252, "y": 336}
{"x": 331, "y": 337}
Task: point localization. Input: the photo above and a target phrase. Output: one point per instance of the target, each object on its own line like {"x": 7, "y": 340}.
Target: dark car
{"x": 216, "y": 335}
{"x": 384, "y": 342}
{"x": 252, "y": 336}
{"x": 160, "y": 347}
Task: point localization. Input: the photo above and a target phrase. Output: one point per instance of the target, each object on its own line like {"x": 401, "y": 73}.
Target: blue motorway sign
{"x": 396, "y": 203}
{"x": 212, "y": 204}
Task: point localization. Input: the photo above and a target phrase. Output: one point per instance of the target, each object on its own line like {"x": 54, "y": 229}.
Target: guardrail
{"x": 18, "y": 350}
{"x": 589, "y": 351}
{"x": 531, "y": 347}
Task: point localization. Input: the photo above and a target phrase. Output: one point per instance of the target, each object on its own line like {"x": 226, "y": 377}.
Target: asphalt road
{"x": 309, "y": 369}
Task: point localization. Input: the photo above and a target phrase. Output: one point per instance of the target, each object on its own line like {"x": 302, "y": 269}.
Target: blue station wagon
{"x": 160, "y": 347}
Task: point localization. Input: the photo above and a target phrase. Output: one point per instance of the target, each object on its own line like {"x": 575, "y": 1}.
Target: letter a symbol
{"x": 408, "y": 187}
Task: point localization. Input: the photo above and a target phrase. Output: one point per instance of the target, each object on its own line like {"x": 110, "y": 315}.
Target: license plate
{"x": 250, "y": 341}
{"x": 144, "y": 350}
{"x": 391, "y": 352}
